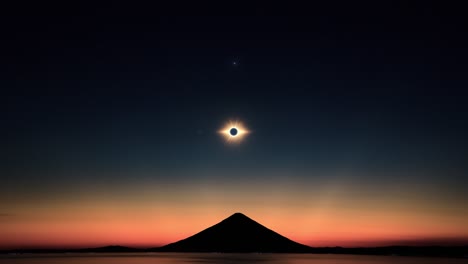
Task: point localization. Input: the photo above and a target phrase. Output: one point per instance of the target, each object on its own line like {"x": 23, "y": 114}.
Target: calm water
{"x": 171, "y": 258}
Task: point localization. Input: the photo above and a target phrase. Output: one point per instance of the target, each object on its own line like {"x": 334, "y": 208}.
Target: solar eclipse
{"x": 234, "y": 131}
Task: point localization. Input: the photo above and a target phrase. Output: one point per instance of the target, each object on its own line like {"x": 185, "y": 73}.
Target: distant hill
{"x": 109, "y": 249}
{"x": 237, "y": 233}
{"x": 106, "y": 249}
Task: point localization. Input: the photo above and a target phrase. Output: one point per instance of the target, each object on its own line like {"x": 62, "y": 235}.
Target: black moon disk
{"x": 233, "y": 131}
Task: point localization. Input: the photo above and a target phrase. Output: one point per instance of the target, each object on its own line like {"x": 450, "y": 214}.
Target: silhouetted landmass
{"x": 427, "y": 251}
{"x": 110, "y": 249}
{"x": 107, "y": 249}
{"x": 240, "y": 234}
{"x": 237, "y": 233}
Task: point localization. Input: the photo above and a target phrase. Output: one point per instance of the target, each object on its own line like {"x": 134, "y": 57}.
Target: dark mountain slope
{"x": 237, "y": 233}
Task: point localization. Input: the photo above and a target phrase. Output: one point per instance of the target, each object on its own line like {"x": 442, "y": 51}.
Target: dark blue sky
{"x": 372, "y": 87}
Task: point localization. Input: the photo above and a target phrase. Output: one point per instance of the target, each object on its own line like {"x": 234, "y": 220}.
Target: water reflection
{"x": 172, "y": 258}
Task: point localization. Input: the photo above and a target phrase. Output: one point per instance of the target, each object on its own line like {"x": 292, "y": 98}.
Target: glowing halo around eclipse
{"x": 234, "y": 131}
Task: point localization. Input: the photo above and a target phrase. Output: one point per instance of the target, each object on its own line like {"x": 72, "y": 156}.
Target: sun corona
{"x": 234, "y": 131}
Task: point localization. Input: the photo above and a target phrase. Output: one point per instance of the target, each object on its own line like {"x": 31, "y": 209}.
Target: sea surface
{"x": 202, "y": 258}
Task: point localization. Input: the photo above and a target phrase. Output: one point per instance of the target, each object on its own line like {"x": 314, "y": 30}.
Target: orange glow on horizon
{"x": 147, "y": 215}
{"x": 78, "y": 229}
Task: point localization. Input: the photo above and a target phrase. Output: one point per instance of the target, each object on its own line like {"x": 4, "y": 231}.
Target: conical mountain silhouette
{"x": 237, "y": 233}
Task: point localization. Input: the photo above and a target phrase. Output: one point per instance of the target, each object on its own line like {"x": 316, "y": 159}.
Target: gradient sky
{"x": 358, "y": 118}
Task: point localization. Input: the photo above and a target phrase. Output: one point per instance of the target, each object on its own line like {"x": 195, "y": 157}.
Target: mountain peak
{"x": 238, "y": 215}
{"x": 239, "y": 220}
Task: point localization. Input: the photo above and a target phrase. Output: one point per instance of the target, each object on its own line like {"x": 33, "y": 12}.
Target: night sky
{"x": 357, "y": 118}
